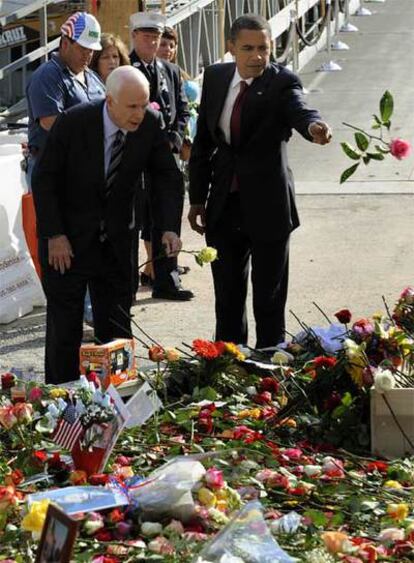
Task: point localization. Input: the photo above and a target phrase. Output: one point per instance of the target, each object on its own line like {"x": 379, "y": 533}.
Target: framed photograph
{"x": 58, "y": 537}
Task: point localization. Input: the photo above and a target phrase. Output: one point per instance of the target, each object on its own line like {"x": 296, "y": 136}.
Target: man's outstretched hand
{"x": 171, "y": 243}
{"x": 197, "y": 212}
{"x": 321, "y": 132}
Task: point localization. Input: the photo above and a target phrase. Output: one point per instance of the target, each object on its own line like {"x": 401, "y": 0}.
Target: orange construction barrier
{"x": 29, "y": 228}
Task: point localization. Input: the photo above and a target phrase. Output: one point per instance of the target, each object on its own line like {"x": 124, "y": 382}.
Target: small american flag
{"x": 68, "y": 429}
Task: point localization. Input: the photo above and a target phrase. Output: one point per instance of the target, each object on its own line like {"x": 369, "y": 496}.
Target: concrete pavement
{"x": 355, "y": 244}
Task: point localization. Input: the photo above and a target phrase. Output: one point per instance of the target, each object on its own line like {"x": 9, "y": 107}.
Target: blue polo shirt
{"x": 52, "y": 89}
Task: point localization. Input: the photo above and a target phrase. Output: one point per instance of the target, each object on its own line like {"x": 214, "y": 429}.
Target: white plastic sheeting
{"x": 20, "y": 288}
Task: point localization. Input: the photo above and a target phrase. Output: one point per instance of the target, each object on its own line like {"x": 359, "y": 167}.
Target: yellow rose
{"x": 221, "y": 505}
{"x": 232, "y": 349}
{"x": 57, "y": 392}
{"x": 35, "y": 518}
{"x": 206, "y": 255}
{"x": 207, "y": 498}
{"x": 171, "y": 354}
{"x": 392, "y": 485}
{"x": 334, "y": 541}
{"x": 398, "y": 511}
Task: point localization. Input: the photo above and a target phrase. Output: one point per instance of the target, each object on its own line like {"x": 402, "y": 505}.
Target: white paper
{"x": 142, "y": 406}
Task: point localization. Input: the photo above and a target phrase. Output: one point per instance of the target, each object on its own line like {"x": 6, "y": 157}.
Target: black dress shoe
{"x": 182, "y": 270}
{"x": 146, "y": 280}
{"x": 173, "y": 294}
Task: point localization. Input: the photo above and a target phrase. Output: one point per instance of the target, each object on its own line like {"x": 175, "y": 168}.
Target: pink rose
{"x": 35, "y": 394}
{"x": 155, "y": 105}
{"x": 7, "y": 417}
{"x": 214, "y": 478}
{"x": 408, "y": 295}
{"x": 161, "y": 545}
{"x": 23, "y": 412}
{"x": 399, "y": 148}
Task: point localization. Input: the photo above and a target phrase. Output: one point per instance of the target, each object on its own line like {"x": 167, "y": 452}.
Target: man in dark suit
{"x": 84, "y": 187}
{"x": 241, "y": 188}
{"x": 167, "y": 93}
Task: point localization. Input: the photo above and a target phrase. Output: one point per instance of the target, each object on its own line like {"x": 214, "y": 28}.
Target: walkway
{"x": 355, "y": 243}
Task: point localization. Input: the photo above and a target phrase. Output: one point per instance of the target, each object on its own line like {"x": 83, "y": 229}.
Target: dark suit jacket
{"x": 69, "y": 181}
{"x": 170, "y": 97}
{"x": 272, "y": 107}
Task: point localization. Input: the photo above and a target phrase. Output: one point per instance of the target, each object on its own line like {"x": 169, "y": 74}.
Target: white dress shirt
{"x": 233, "y": 91}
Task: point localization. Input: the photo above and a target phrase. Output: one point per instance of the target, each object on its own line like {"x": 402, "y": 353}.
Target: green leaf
{"x": 386, "y": 106}
{"x": 348, "y": 173}
{"x": 337, "y": 519}
{"x": 366, "y": 159}
{"x": 347, "y": 399}
{"x": 362, "y": 141}
{"x": 317, "y": 517}
{"x": 350, "y": 151}
{"x": 377, "y": 121}
{"x": 376, "y": 155}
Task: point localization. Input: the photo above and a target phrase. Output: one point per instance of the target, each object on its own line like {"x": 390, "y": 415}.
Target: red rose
{"x": 40, "y": 456}
{"x": 263, "y": 398}
{"x": 380, "y": 466}
{"x": 344, "y": 316}
{"x": 324, "y": 362}
{"x": 399, "y": 148}
{"x": 123, "y": 460}
{"x": 269, "y": 384}
{"x": 116, "y": 515}
{"x": 7, "y": 380}
{"x": 94, "y": 378}
{"x": 156, "y": 354}
{"x": 103, "y": 535}
{"x": 98, "y": 479}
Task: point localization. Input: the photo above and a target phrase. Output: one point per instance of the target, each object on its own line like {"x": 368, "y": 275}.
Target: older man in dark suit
{"x": 167, "y": 93}
{"x": 241, "y": 188}
{"x": 85, "y": 187}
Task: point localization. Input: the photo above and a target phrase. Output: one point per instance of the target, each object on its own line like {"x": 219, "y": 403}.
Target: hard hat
{"x": 83, "y": 28}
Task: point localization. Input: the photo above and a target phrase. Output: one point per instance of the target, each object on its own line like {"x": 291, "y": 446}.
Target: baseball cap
{"x": 147, "y": 20}
{"x": 84, "y": 29}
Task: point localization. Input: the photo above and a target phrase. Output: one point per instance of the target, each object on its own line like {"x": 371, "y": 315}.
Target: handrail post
{"x": 43, "y": 30}
{"x": 338, "y": 45}
{"x": 295, "y": 41}
{"x": 348, "y": 27}
{"x": 328, "y": 65}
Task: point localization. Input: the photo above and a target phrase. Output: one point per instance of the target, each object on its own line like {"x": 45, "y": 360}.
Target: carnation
{"x": 206, "y": 255}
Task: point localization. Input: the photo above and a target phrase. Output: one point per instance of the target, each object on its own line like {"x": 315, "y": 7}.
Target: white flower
{"x": 384, "y": 380}
{"x": 391, "y": 535}
{"x": 319, "y": 555}
{"x": 312, "y": 470}
{"x": 251, "y": 390}
{"x": 151, "y": 529}
{"x": 280, "y": 358}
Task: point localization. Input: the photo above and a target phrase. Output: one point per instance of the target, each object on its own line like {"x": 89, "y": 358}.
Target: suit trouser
{"x": 269, "y": 264}
{"x": 109, "y": 286}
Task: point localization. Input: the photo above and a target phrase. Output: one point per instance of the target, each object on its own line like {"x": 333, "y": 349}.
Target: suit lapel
{"x": 254, "y": 95}
{"x": 95, "y": 143}
{"x": 220, "y": 93}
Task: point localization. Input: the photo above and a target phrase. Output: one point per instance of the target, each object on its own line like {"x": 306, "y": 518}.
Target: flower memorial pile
{"x": 250, "y": 459}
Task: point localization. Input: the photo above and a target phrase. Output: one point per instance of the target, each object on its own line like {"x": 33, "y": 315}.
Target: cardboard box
{"x": 387, "y": 440}
{"x": 113, "y": 362}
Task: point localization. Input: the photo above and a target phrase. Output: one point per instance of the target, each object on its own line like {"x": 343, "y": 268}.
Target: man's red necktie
{"x": 235, "y": 126}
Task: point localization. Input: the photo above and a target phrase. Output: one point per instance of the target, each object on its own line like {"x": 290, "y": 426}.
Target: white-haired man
{"x": 84, "y": 187}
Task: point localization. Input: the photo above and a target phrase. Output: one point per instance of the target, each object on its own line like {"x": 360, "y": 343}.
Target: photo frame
{"x": 58, "y": 537}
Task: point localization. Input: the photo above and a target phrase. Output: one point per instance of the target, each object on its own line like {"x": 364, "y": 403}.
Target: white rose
{"x": 251, "y": 390}
{"x": 384, "y": 380}
{"x": 312, "y": 470}
{"x": 280, "y": 358}
{"x": 151, "y": 529}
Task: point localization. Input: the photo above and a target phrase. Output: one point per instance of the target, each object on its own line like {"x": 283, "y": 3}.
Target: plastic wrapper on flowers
{"x": 167, "y": 491}
{"x": 245, "y": 539}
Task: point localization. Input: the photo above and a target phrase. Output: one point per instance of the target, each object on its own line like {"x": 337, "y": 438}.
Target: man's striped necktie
{"x": 115, "y": 162}
{"x": 113, "y": 169}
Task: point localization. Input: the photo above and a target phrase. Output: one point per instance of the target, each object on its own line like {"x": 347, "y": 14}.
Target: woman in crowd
{"x": 114, "y": 54}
